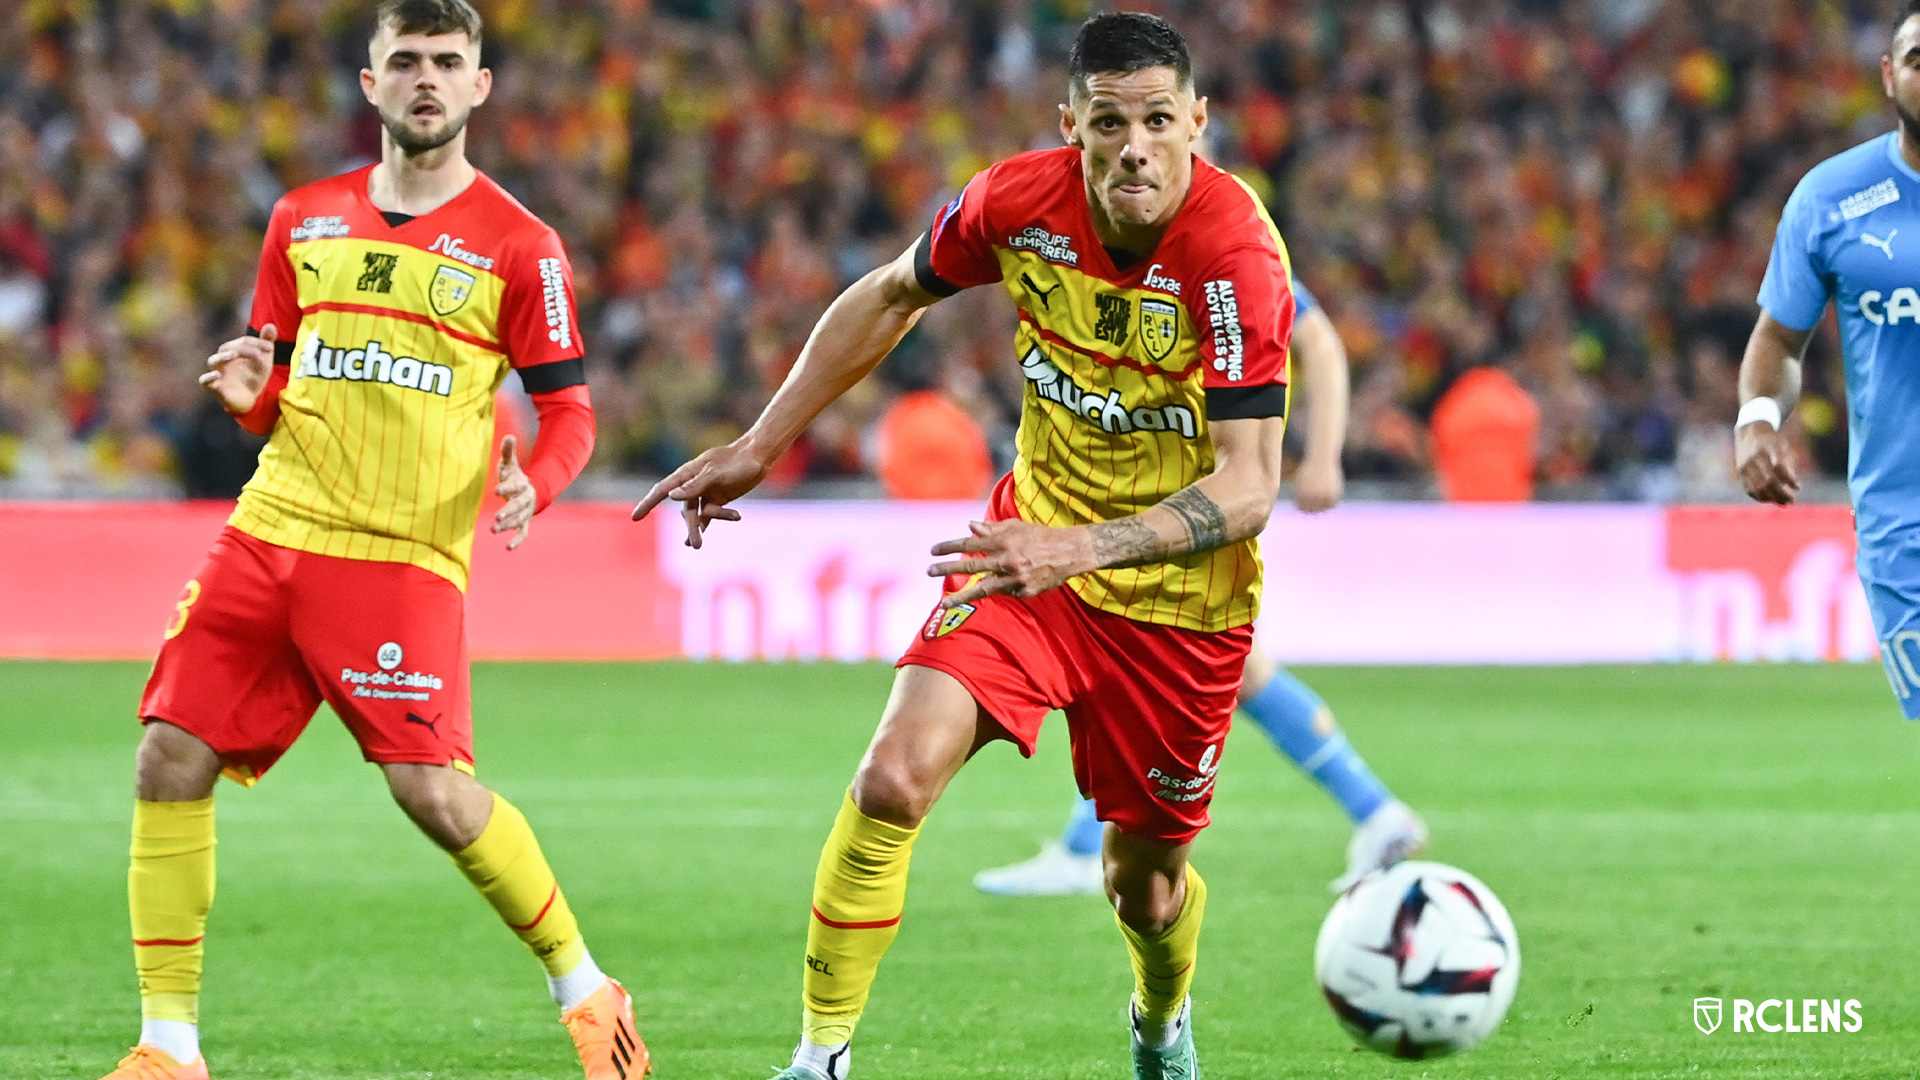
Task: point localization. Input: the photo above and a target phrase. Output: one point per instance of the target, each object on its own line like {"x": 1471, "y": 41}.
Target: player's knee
{"x": 1145, "y": 905}
{"x": 173, "y": 765}
{"x": 890, "y": 792}
{"x": 449, "y": 806}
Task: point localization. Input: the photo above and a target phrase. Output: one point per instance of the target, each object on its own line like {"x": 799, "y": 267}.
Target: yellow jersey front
{"x": 396, "y": 333}
{"x": 1126, "y": 366}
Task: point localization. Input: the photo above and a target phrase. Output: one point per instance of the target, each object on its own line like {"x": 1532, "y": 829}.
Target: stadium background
{"x": 1580, "y": 193}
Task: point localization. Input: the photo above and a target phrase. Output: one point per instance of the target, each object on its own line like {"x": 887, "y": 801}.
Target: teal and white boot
{"x": 1168, "y": 1055}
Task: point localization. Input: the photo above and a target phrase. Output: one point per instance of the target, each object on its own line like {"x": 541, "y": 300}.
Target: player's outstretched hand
{"x": 238, "y": 369}
{"x": 704, "y": 487}
{"x": 1765, "y": 461}
{"x": 516, "y": 516}
{"x": 1318, "y": 485}
{"x": 1014, "y": 557}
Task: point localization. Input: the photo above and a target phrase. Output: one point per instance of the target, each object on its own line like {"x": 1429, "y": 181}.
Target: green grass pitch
{"x": 1658, "y": 834}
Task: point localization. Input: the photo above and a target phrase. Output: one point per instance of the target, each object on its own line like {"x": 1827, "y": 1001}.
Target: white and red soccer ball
{"x": 1418, "y": 960}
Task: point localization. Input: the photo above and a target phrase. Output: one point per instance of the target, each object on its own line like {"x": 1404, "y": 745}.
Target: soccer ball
{"x": 1418, "y": 960}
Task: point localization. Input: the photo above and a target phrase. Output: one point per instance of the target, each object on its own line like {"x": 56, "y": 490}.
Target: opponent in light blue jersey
{"x": 1850, "y": 234}
{"x": 1292, "y": 715}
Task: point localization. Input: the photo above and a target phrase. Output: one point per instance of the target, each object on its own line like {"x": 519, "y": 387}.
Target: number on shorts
{"x": 187, "y": 596}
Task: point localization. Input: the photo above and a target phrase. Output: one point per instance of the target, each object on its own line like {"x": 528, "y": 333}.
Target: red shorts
{"x": 1148, "y": 706}
{"x": 263, "y": 634}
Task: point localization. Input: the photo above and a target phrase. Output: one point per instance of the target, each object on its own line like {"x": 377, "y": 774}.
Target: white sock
{"x": 179, "y": 1039}
{"x": 832, "y": 1062}
{"x": 1160, "y": 1036}
{"x": 578, "y": 985}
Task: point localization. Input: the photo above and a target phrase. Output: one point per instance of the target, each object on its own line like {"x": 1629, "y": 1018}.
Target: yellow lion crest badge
{"x": 449, "y": 290}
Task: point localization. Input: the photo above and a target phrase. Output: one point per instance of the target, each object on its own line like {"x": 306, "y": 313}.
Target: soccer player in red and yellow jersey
{"x": 391, "y": 302}
{"x": 1154, "y": 321}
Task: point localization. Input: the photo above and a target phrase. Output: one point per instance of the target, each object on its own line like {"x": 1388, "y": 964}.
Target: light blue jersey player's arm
{"x": 1793, "y": 296}
{"x": 1322, "y": 362}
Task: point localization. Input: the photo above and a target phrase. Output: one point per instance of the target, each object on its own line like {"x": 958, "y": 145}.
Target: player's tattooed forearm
{"x": 1206, "y": 523}
{"x": 1132, "y": 542}
{"x": 1127, "y": 542}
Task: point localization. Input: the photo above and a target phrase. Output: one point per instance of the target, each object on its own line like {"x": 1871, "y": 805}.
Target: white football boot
{"x": 1391, "y": 834}
{"x": 1054, "y": 872}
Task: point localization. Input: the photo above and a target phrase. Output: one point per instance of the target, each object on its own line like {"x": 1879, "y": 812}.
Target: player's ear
{"x": 366, "y": 86}
{"x": 482, "y": 86}
{"x": 1069, "y": 129}
{"x": 1199, "y": 117}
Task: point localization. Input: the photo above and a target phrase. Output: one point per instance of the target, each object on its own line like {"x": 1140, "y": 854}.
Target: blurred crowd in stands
{"x": 1578, "y": 193}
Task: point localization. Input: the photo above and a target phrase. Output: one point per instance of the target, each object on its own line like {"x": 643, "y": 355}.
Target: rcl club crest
{"x": 1706, "y": 1015}
{"x": 448, "y": 290}
{"x": 1159, "y": 327}
{"x": 944, "y": 622}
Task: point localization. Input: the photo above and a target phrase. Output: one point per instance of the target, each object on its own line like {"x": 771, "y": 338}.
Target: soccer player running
{"x": 1154, "y": 316}
{"x": 390, "y": 303}
{"x": 1293, "y": 716}
{"x": 1850, "y": 234}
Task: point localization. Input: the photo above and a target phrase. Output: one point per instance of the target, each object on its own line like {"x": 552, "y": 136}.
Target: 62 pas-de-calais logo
{"x": 1803, "y": 1016}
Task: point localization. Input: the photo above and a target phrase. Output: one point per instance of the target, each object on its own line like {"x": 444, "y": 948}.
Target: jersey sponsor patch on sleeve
{"x": 1223, "y": 319}
{"x": 553, "y": 287}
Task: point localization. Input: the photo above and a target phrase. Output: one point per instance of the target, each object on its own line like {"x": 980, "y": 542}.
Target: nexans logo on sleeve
{"x": 372, "y": 363}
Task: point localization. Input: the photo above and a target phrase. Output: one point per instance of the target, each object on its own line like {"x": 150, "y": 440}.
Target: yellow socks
{"x": 1163, "y": 964}
{"x": 169, "y": 892}
{"x": 506, "y": 865}
{"x": 858, "y": 894}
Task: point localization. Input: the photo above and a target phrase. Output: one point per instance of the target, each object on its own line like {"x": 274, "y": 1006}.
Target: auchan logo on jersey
{"x": 372, "y": 363}
{"x": 1904, "y": 303}
{"x": 1109, "y": 412}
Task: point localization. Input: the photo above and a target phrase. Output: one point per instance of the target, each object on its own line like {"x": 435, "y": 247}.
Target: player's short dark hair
{"x": 1124, "y": 41}
{"x": 1903, "y": 12}
{"x": 428, "y": 17}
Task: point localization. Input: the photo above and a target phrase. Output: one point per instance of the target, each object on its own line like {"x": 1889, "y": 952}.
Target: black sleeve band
{"x": 282, "y": 350}
{"x": 546, "y": 378}
{"x": 1246, "y": 402}
{"x": 923, "y": 268}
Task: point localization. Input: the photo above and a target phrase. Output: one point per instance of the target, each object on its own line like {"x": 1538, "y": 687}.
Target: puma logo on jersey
{"x": 1886, "y": 245}
{"x": 1109, "y": 412}
{"x": 372, "y": 363}
{"x": 1045, "y": 295}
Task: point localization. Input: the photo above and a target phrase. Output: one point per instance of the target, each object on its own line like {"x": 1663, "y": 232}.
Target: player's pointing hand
{"x": 705, "y": 485}
{"x": 516, "y": 516}
{"x": 238, "y": 369}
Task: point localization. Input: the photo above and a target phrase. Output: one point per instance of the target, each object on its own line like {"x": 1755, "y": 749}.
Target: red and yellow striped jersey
{"x": 397, "y": 336}
{"x": 1125, "y": 367}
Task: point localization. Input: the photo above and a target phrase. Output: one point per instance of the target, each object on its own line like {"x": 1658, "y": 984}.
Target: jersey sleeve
{"x": 1244, "y": 311}
{"x": 957, "y": 252}
{"x": 538, "y": 325}
{"x": 276, "y": 296}
{"x": 1796, "y": 288}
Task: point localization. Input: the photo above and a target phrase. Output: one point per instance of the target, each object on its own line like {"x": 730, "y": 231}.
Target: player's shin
{"x": 858, "y": 893}
{"x": 1163, "y": 963}
{"x": 169, "y": 892}
{"x": 506, "y": 865}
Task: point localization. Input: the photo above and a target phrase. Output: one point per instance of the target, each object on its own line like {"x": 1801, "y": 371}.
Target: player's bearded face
{"x": 1135, "y": 131}
{"x": 424, "y": 87}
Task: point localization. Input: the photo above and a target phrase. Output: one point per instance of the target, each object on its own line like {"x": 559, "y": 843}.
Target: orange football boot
{"x": 603, "y": 1032}
{"x": 152, "y": 1063}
